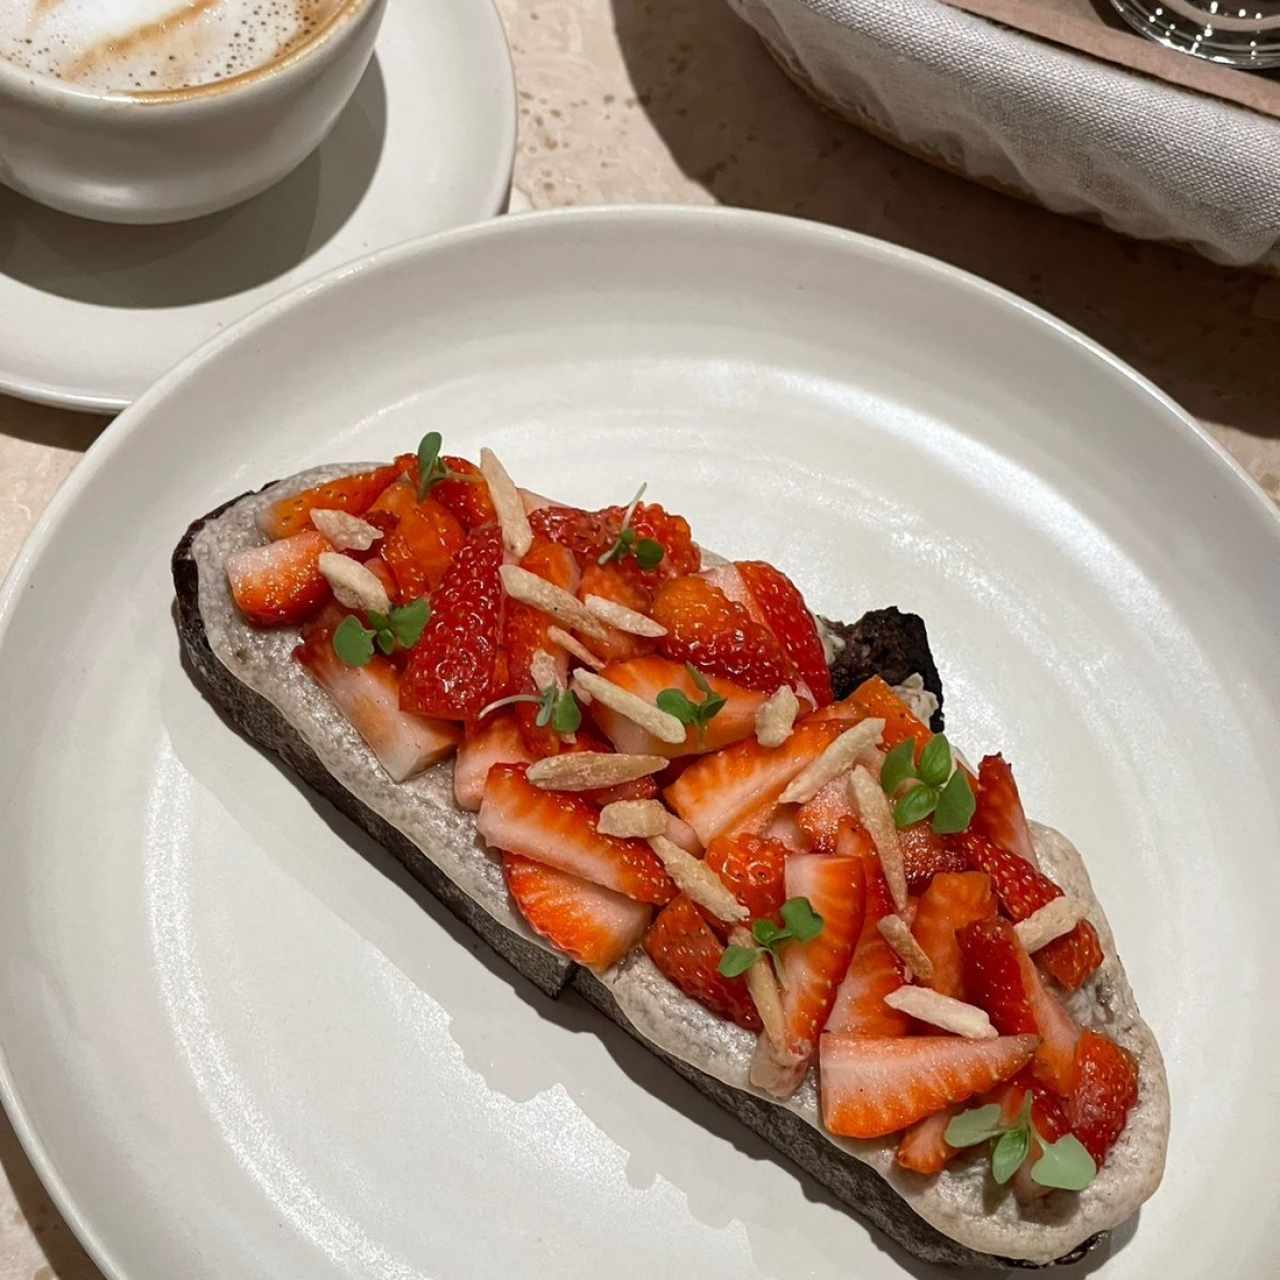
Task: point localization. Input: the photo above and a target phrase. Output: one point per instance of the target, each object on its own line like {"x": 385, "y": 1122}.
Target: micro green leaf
{"x": 699, "y": 680}
{"x": 353, "y": 643}
{"x": 955, "y": 806}
{"x": 649, "y": 553}
{"x": 1009, "y": 1153}
{"x": 737, "y": 960}
{"x": 916, "y": 805}
{"x": 676, "y": 702}
{"x": 407, "y": 622}
{"x": 899, "y": 765}
{"x": 430, "y": 468}
{"x": 802, "y": 921}
{"x": 765, "y": 932}
{"x": 1065, "y": 1164}
{"x": 386, "y": 642}
{"x": 566, "y": 716}
{"x": 935, "y": 761}
{"x": 976, "y": 1125}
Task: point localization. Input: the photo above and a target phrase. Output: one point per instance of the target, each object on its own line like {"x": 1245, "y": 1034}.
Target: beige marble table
{"x": 674, "y": 100}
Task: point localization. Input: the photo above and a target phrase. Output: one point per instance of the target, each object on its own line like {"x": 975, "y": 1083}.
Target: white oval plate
{"x": 234, "y": 1046}
{"x": 92, "y": 314}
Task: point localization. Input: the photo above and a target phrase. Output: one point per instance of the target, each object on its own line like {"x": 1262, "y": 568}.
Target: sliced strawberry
{"x": 593, "y": 925}
{"x": 923, "y": 1148}
{"x": 821, "y": 817}
{"x": 953, "y": 901}
{"x": 688, "y": 953}
{"x": 354, "y": 494}
{"x": 925, "y": 854}
{"x": 727, "y": 578}
{"x": 638, "y": 789}
{"x": 705, "y": 628}
{"x": 590, "y": 534}
{"x": 647, "y": 678}
{"x": 1048, "y": 1110}
{"x": 392, "y": 503}
{"x": 421, "y": 547}
{"x": 874, "y": 970}
{"x": 784, "y": 828}
{"x": 813, "y": 971}
{"x": 789, "y": 619}
{"x": 559, "y": 829}
{"x": 585, "y": 533}
{"x": 1023, "y": 890}
{"x": 874, "y": 1086}
{"x": 369, "y": 697}
{"x": 453, "y": 671}
{"x": 999, "y": 814}
{"x": 718, "y": 791}
{"x": 280, "y": 583}
{"x": 495, "y": 740}
{"x": 873, "y": 699}
{"x": 1105, "y": 1090}
{"x": 468, "y": 500}
{"x": 753, "y": 868}
{"x": 610, "y": 583}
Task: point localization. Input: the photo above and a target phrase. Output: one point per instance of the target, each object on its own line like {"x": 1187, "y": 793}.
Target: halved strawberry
{"x": 454, "y": 669}
{"x": 280, "y": 583}
{"x": 925, "y": 854}
{"x": 999, "y": 814}
{"x": 495, "y": 740}
{"x": 595, "y": 926}
{"x": 813, "y": 971}
{"x": 647, "y": 678}
{"x": 820, "y": 818}
{"x": 753, "y": 868}
{"x": 873, "y": 699}
{"x": 353, "y": 494}
{"x": 682, "y": 945}
{"x": 1106, "y": 1088}
{"x": 610, "y": 583}
{"x": 787, "y": 616}
{"x": 469, "y": 500}
{"x": 924, "y": 1148}
{"x": 392, "y": 503}
{"x": 559, "y": 829}
{"x": 369, "y": 697}
{"x": 873, "y": 1086}
{"x": 717, "y": 791}
{"x": 421, "y": 547}
{"x": 1022, "y": 891}
{"x": 952, "y": 901}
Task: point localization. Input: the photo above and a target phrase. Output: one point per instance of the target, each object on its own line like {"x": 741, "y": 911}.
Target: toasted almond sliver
{"x": 543, "y": 670}
{"x": 776, "y": 716}
{"x": 587, "y": 770}
{"x": 572, "y": 645}
{"x": 353, "y": 585}
{"x": 538, "y": 593}
{"x": 345, "y": 531}
{"x": 1057, "y": 917}
{"x": 694, "y": 877}
{"x": 942, "y": 1011}
{"x": 628, "y": 620}
{"x": 835, "y": 760}
{"x": 877, "y": 817}
{"x": 763, "y": 986}
{"x": 664, "y": 726}
{"x": 517, "y": 534}
{"x": 642, "y": 818}
{"x": 894, "y": 930}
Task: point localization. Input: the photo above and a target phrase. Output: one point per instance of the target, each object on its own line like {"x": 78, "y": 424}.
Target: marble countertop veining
{"x": 675, "y": 100}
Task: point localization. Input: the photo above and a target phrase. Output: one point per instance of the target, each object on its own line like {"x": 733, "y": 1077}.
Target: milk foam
{"x": 125, "y": 45}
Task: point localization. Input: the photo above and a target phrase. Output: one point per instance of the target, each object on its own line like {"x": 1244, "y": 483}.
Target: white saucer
{"x": 92, "y": 314}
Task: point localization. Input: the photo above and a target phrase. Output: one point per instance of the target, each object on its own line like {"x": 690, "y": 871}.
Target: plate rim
{"x": 135, "y": 417}
{"x": 77, "y": 400}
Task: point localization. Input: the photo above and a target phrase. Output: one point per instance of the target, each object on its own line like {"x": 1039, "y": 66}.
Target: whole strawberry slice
{"x": 558, "y": 828}
{"x": 718, "y": 636}
{"x": 754, "y": 870}
{"x": 453, "y": 671}
{"x": 595, "y": 926}
{"x": 353, "y": 494}
{"x": 1106, "y": 1088}
{"x": 1023, "y": 890}
{"x": 952, "y": 901}
{"x": 280, "y": 583}
{"x": 999, "y": 814}
{"x": 688, "y": 954}
{"x": 787, "y": 616}
{"x": 873, "y": 1086}
{"x": 494, "y": 740}
{"x": 420, "y": 548}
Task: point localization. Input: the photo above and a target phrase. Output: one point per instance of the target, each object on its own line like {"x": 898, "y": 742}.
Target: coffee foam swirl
{"x": 155, "y": 45}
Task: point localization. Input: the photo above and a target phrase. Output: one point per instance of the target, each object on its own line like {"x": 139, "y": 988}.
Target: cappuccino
{"x": 155, "y": 45}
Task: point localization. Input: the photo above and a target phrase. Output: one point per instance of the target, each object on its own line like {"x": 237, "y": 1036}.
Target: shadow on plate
{"x": 737, "y": 126}
{"x": 226, "y": 253}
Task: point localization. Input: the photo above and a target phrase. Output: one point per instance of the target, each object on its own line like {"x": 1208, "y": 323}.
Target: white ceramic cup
{"x": 165, "y": 157}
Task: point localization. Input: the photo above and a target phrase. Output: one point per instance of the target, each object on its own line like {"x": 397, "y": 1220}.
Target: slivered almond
{"x": 664, "y": 726}
{"x": 763, "y": 986}
{"x": 776, "y": 716}
{"x": 894, "y": 930}
{"x": 942, "y": 1011}
{"x": 543, "y": 670}
{"x": 353, "y": 585}
{"x": 517, "y": 533}
{"x": 694, "y": 877}
{"x": 835, "y": 760}
{"x": 572, "y": 645}
{"x": 642, "y": 818}
{"x": 628, "y": 620}
{"x": 1057, "y": 917}
{"x": 538, "y": 593}
{"x": 345, "y": 531}
{"x": 877, "y": 817}
{"x": 587, "y": 770}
